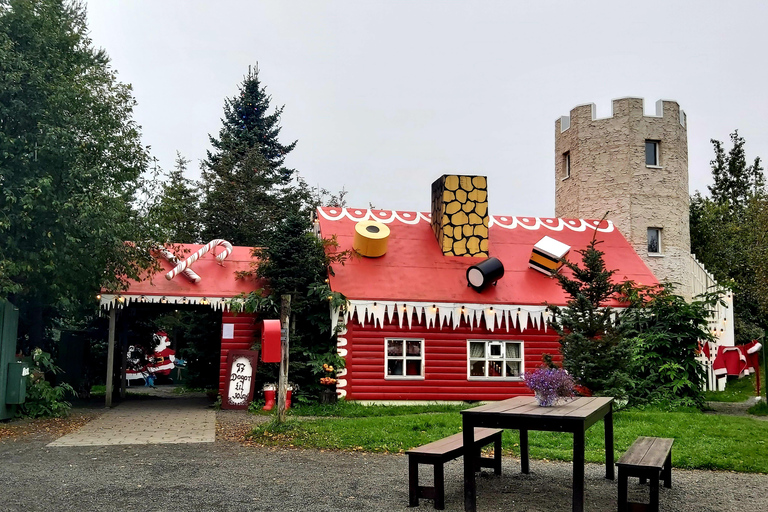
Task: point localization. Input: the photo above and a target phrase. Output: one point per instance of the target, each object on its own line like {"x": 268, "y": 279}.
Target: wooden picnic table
{"x": 524, "y": 414}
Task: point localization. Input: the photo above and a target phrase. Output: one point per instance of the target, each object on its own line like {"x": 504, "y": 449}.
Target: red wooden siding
{"x": 246, "y": 333}
{"x": 445, "y": 362}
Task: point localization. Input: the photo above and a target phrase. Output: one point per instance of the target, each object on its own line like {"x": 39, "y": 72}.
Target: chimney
{"x": 460, "y": 215}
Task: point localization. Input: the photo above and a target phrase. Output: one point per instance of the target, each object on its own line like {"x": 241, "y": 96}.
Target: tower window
{"x": 654, "y": 240}
{"x": 566, "y": 164}
{"x": 652, "y": 153}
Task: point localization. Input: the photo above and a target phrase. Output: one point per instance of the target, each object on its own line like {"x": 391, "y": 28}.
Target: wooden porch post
{"x": 110, "y": 356}
{"x": 282, "y": 383}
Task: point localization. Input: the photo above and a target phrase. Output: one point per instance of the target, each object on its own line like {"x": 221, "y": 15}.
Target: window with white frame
{"x": 566, "y": 164}
{"x": 652, "y": 153}
{"x": 654, "y": 240}
{"x": 494, "y": 359}
{"x": 404, "y": 358}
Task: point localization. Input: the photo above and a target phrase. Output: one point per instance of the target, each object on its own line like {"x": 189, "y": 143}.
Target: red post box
{"x": 270, "y": 341}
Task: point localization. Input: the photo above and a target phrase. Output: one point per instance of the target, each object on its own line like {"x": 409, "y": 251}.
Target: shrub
{"x": 43, "y": 399}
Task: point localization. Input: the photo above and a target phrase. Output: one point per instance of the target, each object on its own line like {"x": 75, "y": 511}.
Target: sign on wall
{"x": 241, "y": 366}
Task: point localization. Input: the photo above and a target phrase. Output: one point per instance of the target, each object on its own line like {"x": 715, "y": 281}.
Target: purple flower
{"x": 550, "y": 385}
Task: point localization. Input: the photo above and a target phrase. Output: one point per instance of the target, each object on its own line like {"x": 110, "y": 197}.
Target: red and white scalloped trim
{"x": 406, "y": 217}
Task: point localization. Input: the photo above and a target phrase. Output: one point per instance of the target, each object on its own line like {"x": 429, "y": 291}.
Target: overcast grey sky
{"x": 386, "y": 96}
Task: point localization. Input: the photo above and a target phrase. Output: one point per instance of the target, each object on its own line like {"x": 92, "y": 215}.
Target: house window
{"x": 566, "y": 165}
{"x": 495, "y": 359}
{"x": 652, "y": 153}
{"x": 404, "y": 359}
{"x": 654, "y": 240}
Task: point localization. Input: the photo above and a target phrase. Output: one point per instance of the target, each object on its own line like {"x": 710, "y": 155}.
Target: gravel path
{"x": 227, "y": 476}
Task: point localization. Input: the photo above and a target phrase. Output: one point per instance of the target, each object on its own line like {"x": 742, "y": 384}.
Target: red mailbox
{"x": 270, "y": 341}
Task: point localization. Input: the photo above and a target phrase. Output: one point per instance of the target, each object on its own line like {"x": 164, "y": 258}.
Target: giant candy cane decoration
{"x": 188, "y": 273}
{"x": 181, "y": 267}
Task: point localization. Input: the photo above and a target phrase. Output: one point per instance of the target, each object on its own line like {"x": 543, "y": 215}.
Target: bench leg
{"x": 413, "y": 483}
{"x": 654, "y": 506}
{"x": 667, "y": 471}
{"x": 440, "y": 487}
{"x": 622, "y": 490}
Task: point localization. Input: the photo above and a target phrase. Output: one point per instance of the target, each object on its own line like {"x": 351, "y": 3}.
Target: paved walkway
{"x": 149, "y": 421}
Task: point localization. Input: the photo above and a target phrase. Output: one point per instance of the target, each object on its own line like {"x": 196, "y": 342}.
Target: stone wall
{"x": 608, "y": 175}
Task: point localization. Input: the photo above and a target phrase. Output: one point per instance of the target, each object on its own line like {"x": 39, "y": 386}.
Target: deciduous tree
{"x": 71, "y": 163}
{"x": 728, "y": 233}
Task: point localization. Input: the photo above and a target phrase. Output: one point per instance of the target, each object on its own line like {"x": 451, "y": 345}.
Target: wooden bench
{"x": 440, "y": 452}
{"x": 647, "y": 458}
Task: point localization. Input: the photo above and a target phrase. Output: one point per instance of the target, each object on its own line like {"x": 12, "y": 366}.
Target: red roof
{"x": 414, "y": 268}
{"x": 217, "y": 280}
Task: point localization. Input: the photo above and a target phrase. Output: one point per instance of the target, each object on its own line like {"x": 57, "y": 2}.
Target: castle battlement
{"x": 621, "y": 107}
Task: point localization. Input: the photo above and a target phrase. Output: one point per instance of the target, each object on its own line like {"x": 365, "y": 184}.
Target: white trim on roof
{"x": 109, "y": 301}
{"x": 445, "y": 314}
{"x": 506, "y": 222}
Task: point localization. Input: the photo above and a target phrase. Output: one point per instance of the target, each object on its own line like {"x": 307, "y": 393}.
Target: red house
{"x": 430, "y": 317}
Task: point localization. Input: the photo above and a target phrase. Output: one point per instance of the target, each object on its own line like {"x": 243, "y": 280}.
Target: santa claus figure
{"x": 136, "y": 363}
{"x": 162, "y": 361}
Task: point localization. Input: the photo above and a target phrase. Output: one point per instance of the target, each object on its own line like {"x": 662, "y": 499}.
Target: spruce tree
{"x": 244, "y": 178}
{"x": 591, "y": 344}
{"x": 177, "y": 211}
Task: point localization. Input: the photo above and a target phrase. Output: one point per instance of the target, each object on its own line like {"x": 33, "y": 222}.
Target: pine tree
{"x": 591, "y": 345}
{"x": 244, "y": 178}
{"x": 177, "y": 211}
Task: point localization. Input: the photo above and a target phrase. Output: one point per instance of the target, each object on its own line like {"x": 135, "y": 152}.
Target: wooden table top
{"x": 526, "y": 406}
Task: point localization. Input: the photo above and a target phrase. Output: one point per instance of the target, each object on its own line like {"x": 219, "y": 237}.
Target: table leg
{"x": 609, "y": 466}
{"x": 469, "y": 465}
{"x": 578, "y": 471}
{"x": 524, "y": 466}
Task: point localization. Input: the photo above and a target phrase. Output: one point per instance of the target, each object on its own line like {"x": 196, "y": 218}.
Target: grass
{"x": 702, "y": 441}
{"x": 344, "y": 409}
{"x": 759, "y": 409}
{"x": 736, "y": 390}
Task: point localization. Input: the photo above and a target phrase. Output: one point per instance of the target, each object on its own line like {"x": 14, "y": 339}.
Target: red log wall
{"x": 247, "y": 332}
{"x": 445, "y": 363}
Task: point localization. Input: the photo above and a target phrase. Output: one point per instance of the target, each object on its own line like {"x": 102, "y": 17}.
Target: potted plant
{"x": 550, "y": 385}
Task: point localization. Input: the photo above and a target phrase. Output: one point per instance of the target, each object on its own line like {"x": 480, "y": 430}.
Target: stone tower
{"x": 634, "y": 167}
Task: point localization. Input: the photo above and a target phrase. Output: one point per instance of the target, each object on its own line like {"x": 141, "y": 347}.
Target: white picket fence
{"x": 720, "y": 322}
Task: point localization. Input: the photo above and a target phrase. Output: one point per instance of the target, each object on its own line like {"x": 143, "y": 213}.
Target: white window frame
{"x": 566, "y": 165}
{"x": 657, "y": 145}
{"x": 488, "y": 358}
{"x": 403, "y": 358}
{"x": 659, "y": 232}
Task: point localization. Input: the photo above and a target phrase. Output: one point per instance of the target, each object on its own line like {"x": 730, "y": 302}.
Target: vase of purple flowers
{"x": 550, "y": 385}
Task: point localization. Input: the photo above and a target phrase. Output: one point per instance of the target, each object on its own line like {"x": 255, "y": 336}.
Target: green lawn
{"x": 702, "y": 441}
{"x": 736, "y": 390}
